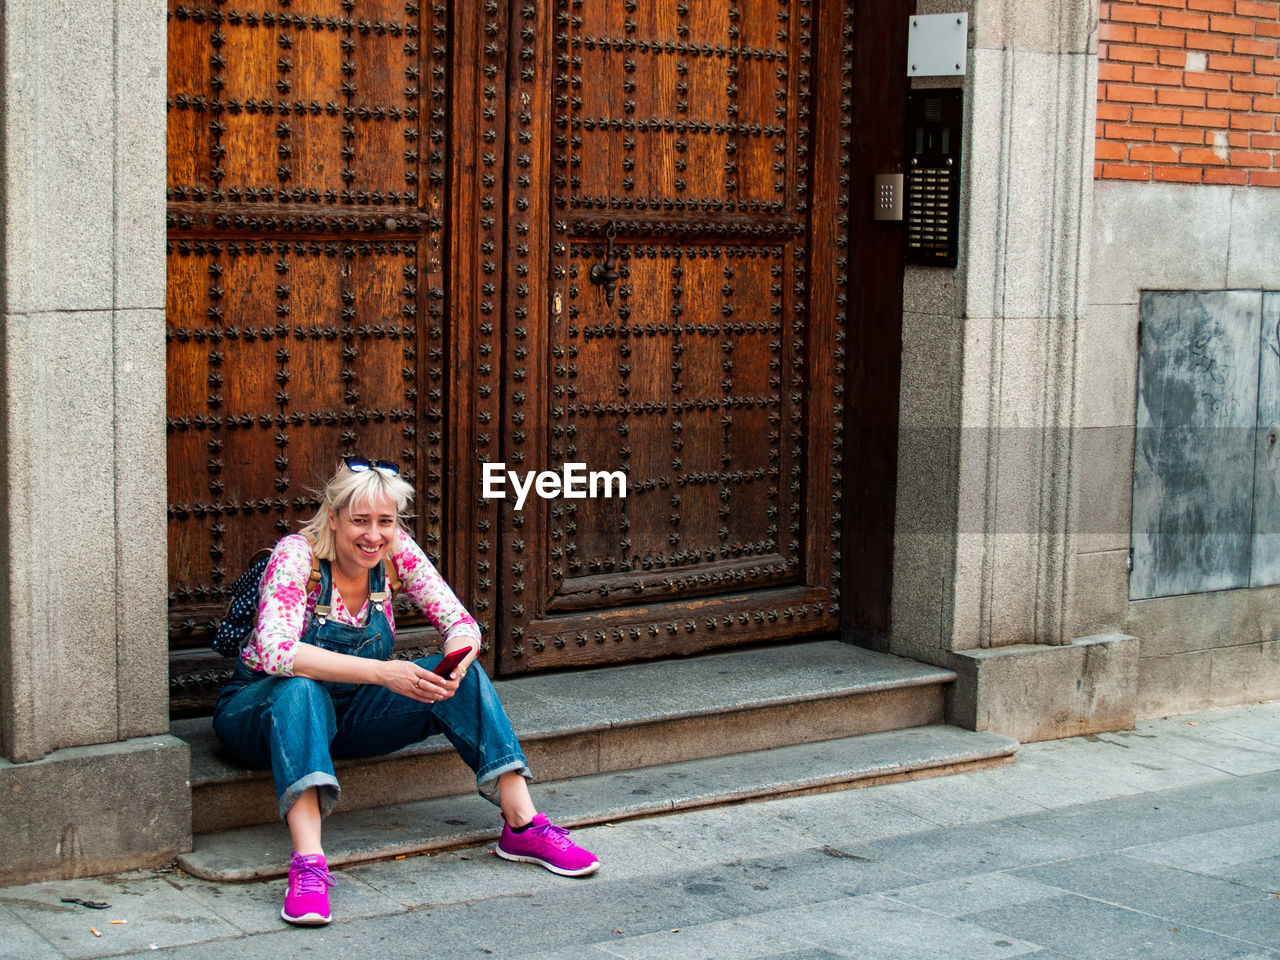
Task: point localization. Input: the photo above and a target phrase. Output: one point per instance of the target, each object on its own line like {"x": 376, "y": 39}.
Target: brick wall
{"x": 1187, "y": 91}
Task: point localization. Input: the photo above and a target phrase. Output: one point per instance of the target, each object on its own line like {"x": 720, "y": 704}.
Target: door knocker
{"x": 606, "y": 274}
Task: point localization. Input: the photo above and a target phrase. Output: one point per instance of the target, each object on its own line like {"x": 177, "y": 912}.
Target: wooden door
{"x": 383, "y": 216}
{"x": 306, "y": 315}
{"x": 706, "y": 145}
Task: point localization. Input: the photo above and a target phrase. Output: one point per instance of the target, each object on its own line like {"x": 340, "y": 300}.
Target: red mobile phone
{"x": 447, "y": 665}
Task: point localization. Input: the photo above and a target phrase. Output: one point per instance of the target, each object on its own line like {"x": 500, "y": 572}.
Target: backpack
{"x": 242, "y": 609}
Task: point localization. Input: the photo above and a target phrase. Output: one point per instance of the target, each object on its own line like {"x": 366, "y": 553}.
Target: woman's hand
{"x": 460, "y": 643}
{"x": 410, "y": 680}
{"x": 399, "y": 676}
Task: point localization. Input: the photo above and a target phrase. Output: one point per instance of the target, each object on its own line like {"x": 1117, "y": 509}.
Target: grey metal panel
{"x": 1265, "y": 567}
{"x": 1193, "y": 454}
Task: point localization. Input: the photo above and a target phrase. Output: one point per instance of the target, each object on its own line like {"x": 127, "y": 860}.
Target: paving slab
{"x": 961, "y": 896}
{"x": 587, "y": 952}
{"x": 944, "y": 803}
{"x": 631, "y": 848}
{"x": 876, "y": 928}
{"x": 721, "y": 940}
{"x": 1244, "y": 799}
{"x": 1263, "y": 875}
{"x": 458, "y": 876}
{"x": 802, "y": 878}
{"x": 1176, "y": 895}
{"x": 1220, "y": 748}
{"x": 155, "y": 913}
{"x": 627, "y": 850}
{"x": 1094, "y": 930}
{"x": 1207, "y": 852}
{"x": 704, "y": 835}
{"x": 1101, "y": 767}
{"x": 1255, "y": 921}
{"x": 1152, "y": 817}
{"x": 19, "y": 942}
{"x": 1257, "y": 721}
{"x": 407, "y": 936}
{"x": 255, "y": 907}
{"x": 969, "y": 849}
{"x": 596, "y": 912}
{"x": 850, "y": 817}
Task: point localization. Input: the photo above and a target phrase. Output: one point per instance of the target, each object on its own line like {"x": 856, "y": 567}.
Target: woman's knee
{"x": 301, "y": 695}
{"x": 476, "y": 685}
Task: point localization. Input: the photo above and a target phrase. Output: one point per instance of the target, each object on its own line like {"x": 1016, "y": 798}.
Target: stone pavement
{"x": 1163, "y": 842}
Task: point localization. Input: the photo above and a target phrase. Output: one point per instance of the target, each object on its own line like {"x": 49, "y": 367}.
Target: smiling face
{"x": 362, "y": 533}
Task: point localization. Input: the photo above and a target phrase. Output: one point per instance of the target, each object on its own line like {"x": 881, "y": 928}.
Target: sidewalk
{"x": 1162, "y": 842}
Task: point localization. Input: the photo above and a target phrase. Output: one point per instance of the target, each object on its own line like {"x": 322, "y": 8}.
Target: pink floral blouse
{"x": 285, "y": 604}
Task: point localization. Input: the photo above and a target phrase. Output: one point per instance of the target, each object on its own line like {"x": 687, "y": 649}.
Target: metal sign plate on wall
{"x": 937, "y": 44}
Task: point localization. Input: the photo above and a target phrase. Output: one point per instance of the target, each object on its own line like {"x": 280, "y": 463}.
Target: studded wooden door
{"x": 305, "y": 318}
{"x": 383, "y": 216}
{"x": 699, "y": 151}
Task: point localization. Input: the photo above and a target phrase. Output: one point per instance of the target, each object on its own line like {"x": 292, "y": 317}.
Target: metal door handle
{"x": 606, "y": 274}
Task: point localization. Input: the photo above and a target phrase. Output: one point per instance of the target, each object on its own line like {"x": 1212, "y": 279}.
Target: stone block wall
{"x": 1019, "y": 367}
{"x": 1187, "y": 143}
{"x": 988, "y": 353}
{"x": 1199, "y": 649}
{"x": 90, "y": 780}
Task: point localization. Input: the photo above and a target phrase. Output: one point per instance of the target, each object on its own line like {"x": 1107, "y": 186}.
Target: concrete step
{"x": 618, "y": 718}
{"x": 261, "y": 852}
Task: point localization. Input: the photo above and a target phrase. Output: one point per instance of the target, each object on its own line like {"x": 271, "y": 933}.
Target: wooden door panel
{"x": 189, "y": 138}
{"x": 303, "y": 103}
{"x": 694, "y": 413}
{"x": 306, "y": 296}
{"x": 280, "y": 399}
{"x": 678, "y": 141}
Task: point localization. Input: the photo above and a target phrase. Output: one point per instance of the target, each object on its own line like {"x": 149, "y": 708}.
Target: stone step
{"x": 619, "y": 718}
{"x": 262, "y": 851}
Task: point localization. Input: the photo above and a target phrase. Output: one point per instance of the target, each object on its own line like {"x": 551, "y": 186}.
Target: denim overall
{"x": 297, "y": 726}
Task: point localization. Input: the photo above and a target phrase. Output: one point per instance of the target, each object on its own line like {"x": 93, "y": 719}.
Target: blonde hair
{"x": 347, "y": 488}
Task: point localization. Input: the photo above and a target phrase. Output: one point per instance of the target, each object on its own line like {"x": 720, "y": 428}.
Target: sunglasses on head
{"x": 388, "y": 468}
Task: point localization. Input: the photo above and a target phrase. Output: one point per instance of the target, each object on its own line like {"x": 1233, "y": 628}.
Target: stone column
{"x": 90, "y": 779}
{"x": 984, "y": 559}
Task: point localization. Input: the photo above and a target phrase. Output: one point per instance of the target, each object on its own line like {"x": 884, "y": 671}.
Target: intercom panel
{"x": 933, "y": 176}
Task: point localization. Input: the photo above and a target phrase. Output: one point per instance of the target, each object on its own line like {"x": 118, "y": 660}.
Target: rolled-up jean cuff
{"x": 328, "y": 792}
{"x": 487, "y": 780}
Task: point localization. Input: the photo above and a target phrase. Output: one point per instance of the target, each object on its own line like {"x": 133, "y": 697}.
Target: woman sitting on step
{"x": 316, "y": 681}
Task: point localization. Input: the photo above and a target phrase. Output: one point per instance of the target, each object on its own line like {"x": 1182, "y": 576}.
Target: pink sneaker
{"x": 307, "y": 900}
{"x": 547, "y": 845}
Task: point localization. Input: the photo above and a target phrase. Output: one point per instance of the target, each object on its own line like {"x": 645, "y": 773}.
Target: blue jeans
{"x": 297, "y": 727}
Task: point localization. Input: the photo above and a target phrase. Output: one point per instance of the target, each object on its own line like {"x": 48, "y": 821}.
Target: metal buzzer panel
{"x": 933, "y": 177}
